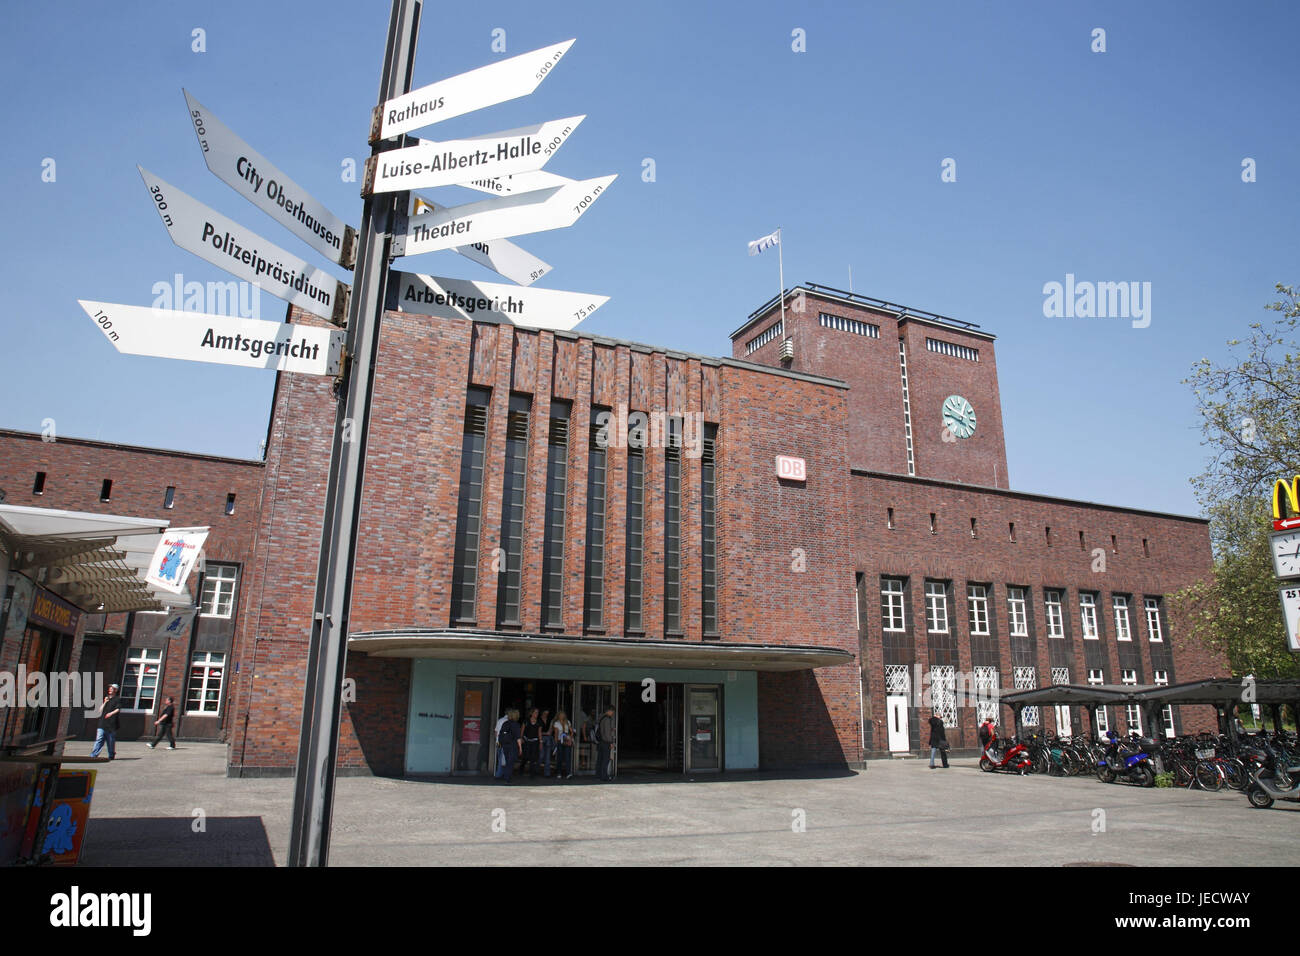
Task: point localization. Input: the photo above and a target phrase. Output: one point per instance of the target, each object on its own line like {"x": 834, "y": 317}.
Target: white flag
{"x": 175, "y": 622}
{"x": 174, "y": 557}
{"x": 767, "y": 242}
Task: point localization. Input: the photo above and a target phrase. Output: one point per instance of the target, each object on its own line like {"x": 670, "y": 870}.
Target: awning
{"x": 91, "y": 559}
{"x": 1219, "y": 690}
{"x": 474, "y": 645}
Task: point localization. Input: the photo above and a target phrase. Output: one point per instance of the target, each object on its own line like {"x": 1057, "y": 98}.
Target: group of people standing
{"x": 539, "y": 740}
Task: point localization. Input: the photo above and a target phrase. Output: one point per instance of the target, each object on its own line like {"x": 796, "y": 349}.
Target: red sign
{"x": 469, "y": 730}
{"x": 1286, "y": 524}
{"x": 791, "y": 469}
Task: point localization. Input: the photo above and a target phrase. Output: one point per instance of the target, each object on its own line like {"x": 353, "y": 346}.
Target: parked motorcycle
{"x": 1012, "y": 757}
{"x": 1131, "y": 762}
{"x": 1267, "y": 783}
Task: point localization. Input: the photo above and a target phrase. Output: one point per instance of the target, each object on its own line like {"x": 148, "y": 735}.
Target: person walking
{"x": 510, "y": 744}
{"x": 163, "y": 725}
{"x": 606, "y": 744}
{"x": 562, "y": 737}
{"x": 496, "y": 734}
{"x": 532, "y": 743}
{"x": 548, "y": 743}
{"x": 938, "y": 740}
{"x": 109, "y": 722}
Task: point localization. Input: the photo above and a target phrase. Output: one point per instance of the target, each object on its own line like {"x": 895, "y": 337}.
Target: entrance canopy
{"x": 459, "y": 644}
{"x": 97, "y": 562}
{"x": 1219, "y": 691}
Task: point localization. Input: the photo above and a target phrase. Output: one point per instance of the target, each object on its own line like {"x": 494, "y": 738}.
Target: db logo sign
{"x": 791, "y": 469}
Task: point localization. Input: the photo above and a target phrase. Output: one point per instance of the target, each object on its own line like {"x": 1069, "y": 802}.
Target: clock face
{"x": 959, "y": 416}
{"x": 1286, "y": 553}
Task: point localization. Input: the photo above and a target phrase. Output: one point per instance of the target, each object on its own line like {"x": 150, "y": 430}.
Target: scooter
{"x": 1133, "y": 766}
{"x": 1266, "y": 783}
{"x": 1013, "y": 758}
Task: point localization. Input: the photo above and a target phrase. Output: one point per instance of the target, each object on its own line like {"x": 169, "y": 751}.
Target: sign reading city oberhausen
{"x": 223, "y": 340}
{"x": 458, "y": 95}
{"x": 174, "y": 558}
{"x": 493, "y": 301}
{"x": 791, "y": 469}
{"x": 502, "y": 217}
{"x": 430, "y": 164}
{"x": 1290, "y": 491}
{"x": 243, "y": 253}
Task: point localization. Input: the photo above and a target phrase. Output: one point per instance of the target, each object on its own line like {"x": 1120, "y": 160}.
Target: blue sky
{"x": 1115, "y": 166}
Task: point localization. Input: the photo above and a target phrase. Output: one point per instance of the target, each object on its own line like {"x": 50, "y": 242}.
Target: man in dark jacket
{"x": 510, "y": 740}
{"x": 163, "y": 725}
{"x": 938, "y": 740}
{"x": 606, "y": 742}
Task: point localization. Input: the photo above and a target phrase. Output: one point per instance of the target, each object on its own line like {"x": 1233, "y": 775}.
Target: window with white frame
{"x": 892, "y": 615}
{"x": 1017, "y": 613}
{"x": 986, "y": 693}
{"x": 1026, "y": 679}
{"x": 943, "y": 694}
{"x": 1120, "y": 603}
{"x": 1088, "y": 616}
{"x": 1154, "y": 630}
{"x": 1096, "y": 678}
{"x": 1132, "y": 712}
{"x": 1055, "y": 614}
{"x": 206, "y": 672}
{"x": 140, "y": 680}
{"x": 218, "y": 590}
{"x": 977, "y": 596}
{"x": 936, "y": 607}
{"x": 1161, "y": 679}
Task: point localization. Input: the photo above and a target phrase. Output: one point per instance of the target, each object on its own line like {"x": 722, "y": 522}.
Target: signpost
{"x": 243, "y": 253}
{"x": 220, "y": 339}
{"x": 430, "y": 164}
{"x": 495, "y": 302}
{"x": 486, "y": 86}
{"x": 518, "y": 183}
{"x": 259, "y": 181}
{"x": 500, "y": 255}
{"x": 487, "y": 219}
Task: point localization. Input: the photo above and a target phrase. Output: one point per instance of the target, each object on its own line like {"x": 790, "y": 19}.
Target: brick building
{"x": 569, "y": 521}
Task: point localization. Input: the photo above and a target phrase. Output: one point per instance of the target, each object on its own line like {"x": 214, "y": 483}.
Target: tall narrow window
{"x": 673, "y": 528}
{"x": 1055, "y": 617}
{"x": 512, "y": 511}
{"x": 218, "y": 597}
{"x": 977, "y": 599}
{"x": 106, "y": 489}
{"x": 469, "y": 512}
{"x": 38, "y": 486}
{"x": 1018, "y": 612}
{"x": 1011, "y": 531}
{"x": 892, "y": 614}
{"x": 230, "y": 503}
{"x": 709, "y": 530}
{"x": 1154, "y": 631}
{"x": 1122, "y": 632}
{"x": 169, "y": 497}
{"x": 890, "y": 518}
{"x": 1132, "y": 712}
{"x": 557, "y": 474}
{"x": 936, "y": 607}
{"x": 594, "y": 587}
{"x": 632, "y": 620}
{"x": 1088, "y": 616}
{"x": 1096, "y": 678}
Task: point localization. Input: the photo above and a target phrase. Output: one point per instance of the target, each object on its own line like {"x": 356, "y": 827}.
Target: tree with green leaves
{"x": 1250, "y": 420}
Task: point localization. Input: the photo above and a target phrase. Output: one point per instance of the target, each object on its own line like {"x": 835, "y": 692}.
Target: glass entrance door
{"x": 591, "y": 702}
{"x": 703, "y": 727}
{"x": 474, "y": 741}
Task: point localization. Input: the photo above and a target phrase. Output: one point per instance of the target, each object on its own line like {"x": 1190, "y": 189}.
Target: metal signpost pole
{"x": 322, "y": 698}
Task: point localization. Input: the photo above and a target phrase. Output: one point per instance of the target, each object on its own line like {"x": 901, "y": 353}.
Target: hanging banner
{"x": 174, "y": 558}
{"x": 258, "y": 180}
{"x": 493, "y": 301}
{"x": 467, "y": 92}
{"x": 429, "y": 164}
{"x": 176, "y": 622}
{"x": 499, "y": 218}
{"x": 243, "y": 253}
{"x": 220, "y": 339}
{"x": 500, "y": 255}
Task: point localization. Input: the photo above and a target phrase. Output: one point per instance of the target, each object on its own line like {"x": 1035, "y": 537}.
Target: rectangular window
{"x": 943, "y": 693}
{"x": 1154, "y": 630}
{"x": 1132, "y": 712}
{"x": 38, "y": 486}
{"x": 673, "y": 528}
{"x": 510, "y": 578}
{"x": 936, "y": 607}
{"x": 140, "y": 680}
{"x": 972, "y": 528}
{"x": 1017, "y": 612}
{"x": 709, "y": 531}
{"x": 464, "y": 586}
{"x": 986, "y": 693}
{"x": 849, "y": 325}
{"x": 206, "y": 673}
{"x": 892, "y": 616}
{"x": 1161, "y": 679}
{"x": 632, "y": 620}
{"x": 218, "y": 590}
{"x": 1096, "y": 678}
{"x": 889, "y": 520}
{"x": 169, "y": 497}
{"x": 1052, "y": 600}
{"x": 1088, "y": 616}
{"x": 1026, "y": 679}
{"x": 106, "y": 490}
{"x": 953, "y": 349}
{"x": 767, "y": 335}
{"x": 557, "y": 475}
{"x": 977, "y": 597}
{"x": 594, "y": 586}
{"x": 934, "y": 527}
{"x": 1120, "y": 603}
{"x": 230, "y": 503}
{"x": 1011, "y": 531}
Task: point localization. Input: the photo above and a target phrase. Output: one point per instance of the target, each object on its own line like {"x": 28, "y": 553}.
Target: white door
{"x": 896, "y": 710}
{"x": 1062, "y": 720}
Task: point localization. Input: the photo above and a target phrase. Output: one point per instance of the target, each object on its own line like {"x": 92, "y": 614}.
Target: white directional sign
{"x": 463, "y": 299}
{"x": 205, "y": 232}
{"x": 486, "y": 86}
{"x": 221, "y": 339}
{"x": 500, "y": 255}
{"x": 519, "y": 183}
{"x": 430, "y": 164}
{"x": 1291, "y": 612}
{"x": 502, "y": 217}
{"x": 258, "y": 180}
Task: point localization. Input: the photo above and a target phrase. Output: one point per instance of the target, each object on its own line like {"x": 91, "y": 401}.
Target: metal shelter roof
{"x": 1218, "y": 690}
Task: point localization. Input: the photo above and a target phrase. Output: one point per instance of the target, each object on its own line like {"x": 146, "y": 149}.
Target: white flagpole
{"x": 780, "y": 258}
